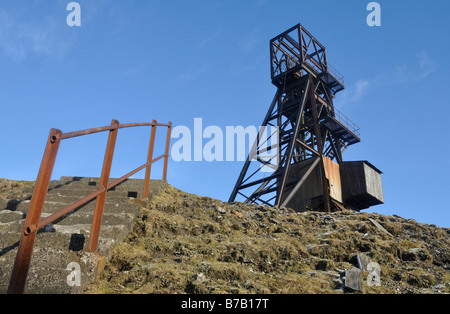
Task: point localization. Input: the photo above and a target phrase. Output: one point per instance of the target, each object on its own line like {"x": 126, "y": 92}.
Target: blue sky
{"x": 136, "y": 61}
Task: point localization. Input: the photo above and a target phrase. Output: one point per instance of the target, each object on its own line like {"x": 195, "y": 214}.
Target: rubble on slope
{"x": 183, "y": 243}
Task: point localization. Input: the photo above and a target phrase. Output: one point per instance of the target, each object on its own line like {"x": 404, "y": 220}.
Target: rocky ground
{"x": 183, "y": 243}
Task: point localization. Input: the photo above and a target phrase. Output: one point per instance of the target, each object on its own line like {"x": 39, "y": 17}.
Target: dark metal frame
{"x": 296, "y": 50}
{"x": 303, "y": 111}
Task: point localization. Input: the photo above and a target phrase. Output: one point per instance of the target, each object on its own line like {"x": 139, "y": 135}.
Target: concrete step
{"x": 69, "y": 198}
{"x": 121, "y": 218}
{"x": 15, "y": 227}
{"x": 65, "y": 232}
{"x": 94, "y": 182}
{"x": 51, "y": 207}
{"x": 54, "y": 185}
{"x": 7, "y": 216}
{"x": 131, "y": 185}
{"x": 13, "y": 221}
{"x": 76, "y": 237}
{"x": 49, "y": 271}
{"x": 118, "y": 208}
{"x": 80, "y": 190}
{"x": 86, "y": 190}
{"x": 61, "y": 235}
{"x": 9, "y": 204}
{"x": 8, "y": 241}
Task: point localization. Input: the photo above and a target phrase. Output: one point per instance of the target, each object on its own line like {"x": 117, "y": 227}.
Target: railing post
{"x": 149, "y": 158}
{"x": 166, "y": 159}
{"x": 100, "y": 203}
{"x": 25, "y": 251}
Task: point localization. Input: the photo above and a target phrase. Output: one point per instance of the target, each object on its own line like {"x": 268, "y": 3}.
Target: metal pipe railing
{"x": 109, "y": 128}
{"x": 349, "y": 124}
{"x": 33, "y": 222}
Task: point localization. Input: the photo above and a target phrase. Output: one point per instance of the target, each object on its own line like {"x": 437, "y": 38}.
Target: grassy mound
{"x": 183, "y": 243}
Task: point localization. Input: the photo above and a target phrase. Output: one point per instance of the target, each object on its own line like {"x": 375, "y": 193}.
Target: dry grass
{"x": 183, "y": 243}
{"x": 11, "y": 189}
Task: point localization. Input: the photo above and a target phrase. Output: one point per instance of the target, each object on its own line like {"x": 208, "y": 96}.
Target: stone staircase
{"x": 62, "y": 243}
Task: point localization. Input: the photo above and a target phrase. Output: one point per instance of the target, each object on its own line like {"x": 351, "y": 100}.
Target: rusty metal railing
{"x": 335, "y": 73}
{"x": 349, "y": 124}
{"x": 33, "y": 222}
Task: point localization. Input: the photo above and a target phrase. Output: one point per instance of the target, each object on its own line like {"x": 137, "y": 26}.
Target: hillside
{"x": 183, "y": 243}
